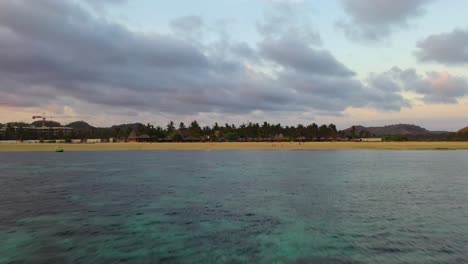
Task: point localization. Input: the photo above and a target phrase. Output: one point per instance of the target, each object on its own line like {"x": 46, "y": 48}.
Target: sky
{"x": 347, "y": 62}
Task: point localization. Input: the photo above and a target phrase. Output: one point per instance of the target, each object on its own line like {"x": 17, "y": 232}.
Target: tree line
{"x": 177, "y": 132}
{"x": 244, "y": 132}
{"x": 194, "y": 132}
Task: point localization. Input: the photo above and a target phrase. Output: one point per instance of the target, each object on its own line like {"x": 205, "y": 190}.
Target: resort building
{"x": 53, "y": 130}
{"x": 42, "y": 130}
{"x": 93, "y": 141}
{"x": 371, "y": 139}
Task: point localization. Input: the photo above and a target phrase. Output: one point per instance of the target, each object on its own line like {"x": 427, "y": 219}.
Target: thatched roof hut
{"x": 279, "y": 137}
{"x": 132, "y": 137}
{"x": 144, "y": 138}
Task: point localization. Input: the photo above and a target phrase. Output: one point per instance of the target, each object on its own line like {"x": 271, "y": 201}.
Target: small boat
{"x": 59, "y": 149}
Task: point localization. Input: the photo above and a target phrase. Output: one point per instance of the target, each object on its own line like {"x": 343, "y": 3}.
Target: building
{"x": 134, "y": 138}
{"x": 371, "y": 139}
{"x": 39, "y": 131}
{"x": 93, "y": 141}
{"x": 280, "y": 137}
{"x": 44, "y": 130}
{"x": 53, "y": 130}
{"x": 143, "y": 138}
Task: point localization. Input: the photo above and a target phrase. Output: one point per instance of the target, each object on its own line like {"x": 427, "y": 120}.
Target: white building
{"x": 42, "y": 130}
{"x": 371, "y": 139}
{"x": 92, "y": 141}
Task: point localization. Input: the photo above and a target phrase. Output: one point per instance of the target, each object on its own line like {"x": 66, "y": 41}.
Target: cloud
{"x": 434, "y": 87}
{"x": 376, "y": 19}
{"x": 190, "y": 26}
{"x": 335, "y": 94}
{"x": 444, "y": 88}
{"x": 100, "y": 4}
{"x": 446, "y": 48}
{"x": 55, "y": 52}
{"x": 289, "y": 50}
{"x": 288, "y": 17}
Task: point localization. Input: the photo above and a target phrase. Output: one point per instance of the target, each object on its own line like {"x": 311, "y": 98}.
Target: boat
{"x": 59, "y": 149}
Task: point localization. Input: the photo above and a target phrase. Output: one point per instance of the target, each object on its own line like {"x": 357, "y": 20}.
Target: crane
{"x": 44, "y": 117}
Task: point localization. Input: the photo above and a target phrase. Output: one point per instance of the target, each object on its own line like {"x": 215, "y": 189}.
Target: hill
{"x": 463, "y": 131}
{"x": 48, "y": 123}
{"x": 129, "y": 127}
{"x": 80, "y": 126}
{"x": 400, "y": 129}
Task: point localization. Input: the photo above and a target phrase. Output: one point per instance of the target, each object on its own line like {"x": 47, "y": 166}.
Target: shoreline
{"x": 48, "y": 147}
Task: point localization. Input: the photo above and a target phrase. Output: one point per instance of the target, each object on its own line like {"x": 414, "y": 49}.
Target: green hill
{"x": 80, "y": 126}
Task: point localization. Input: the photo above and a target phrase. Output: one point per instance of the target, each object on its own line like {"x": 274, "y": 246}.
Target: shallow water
{"x": 234, "y": 207}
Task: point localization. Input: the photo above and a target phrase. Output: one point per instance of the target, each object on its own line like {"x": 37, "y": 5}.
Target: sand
{"x": 239, "y": 146}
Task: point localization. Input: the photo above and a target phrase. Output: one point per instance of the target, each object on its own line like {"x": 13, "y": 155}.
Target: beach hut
{"x": 132, "y": 138}
{"x": 143, "y": 138}
{"x": 280, "y": 137}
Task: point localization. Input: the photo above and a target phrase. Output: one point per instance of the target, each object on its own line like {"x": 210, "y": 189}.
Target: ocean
{"x": 354, "y": 206}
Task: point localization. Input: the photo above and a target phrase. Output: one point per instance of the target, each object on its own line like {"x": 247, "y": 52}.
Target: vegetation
{"x": 400, "y": 129}
{"x": 250, "y": 132}
{"x": 396, "y": 138}
{"x": 193, "y": 132}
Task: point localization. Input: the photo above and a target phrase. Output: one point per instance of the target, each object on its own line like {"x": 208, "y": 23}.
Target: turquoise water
{"x": 234, "y": 207}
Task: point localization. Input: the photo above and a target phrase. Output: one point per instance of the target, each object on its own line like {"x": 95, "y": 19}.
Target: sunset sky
{"x": 348, "y": 62}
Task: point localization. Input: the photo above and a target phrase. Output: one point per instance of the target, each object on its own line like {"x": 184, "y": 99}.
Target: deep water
{"x": 234, "y": 207}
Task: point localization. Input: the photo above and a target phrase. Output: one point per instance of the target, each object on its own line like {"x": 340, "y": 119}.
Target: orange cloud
{"x": 441, "y": 80}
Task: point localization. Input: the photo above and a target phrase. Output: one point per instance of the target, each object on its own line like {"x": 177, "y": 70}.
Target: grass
{"x": 239, "y": 146}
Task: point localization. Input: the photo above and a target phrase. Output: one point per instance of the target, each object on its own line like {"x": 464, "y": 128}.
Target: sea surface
{"x": 234, "y": 207}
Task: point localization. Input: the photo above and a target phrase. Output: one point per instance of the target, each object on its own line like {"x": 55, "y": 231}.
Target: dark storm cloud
{"x": 446, "y": 48}
{"x": 55, "y": 51}
{"x": 376, "y": 19}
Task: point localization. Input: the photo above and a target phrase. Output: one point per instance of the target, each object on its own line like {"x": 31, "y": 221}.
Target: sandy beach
{"x": 239, "y": 146}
